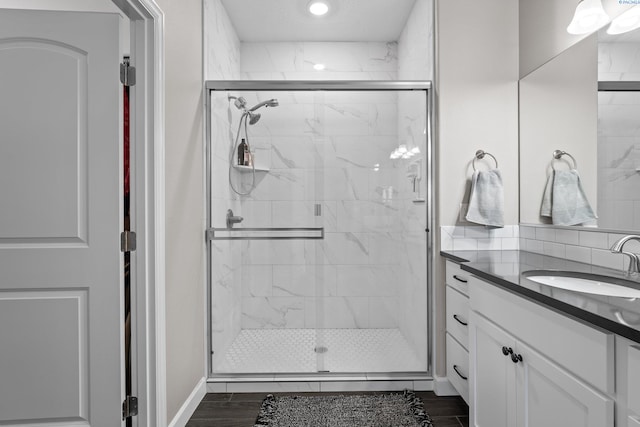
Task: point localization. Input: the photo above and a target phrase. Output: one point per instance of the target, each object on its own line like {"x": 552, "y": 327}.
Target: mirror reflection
{"x": 584, "y": 102}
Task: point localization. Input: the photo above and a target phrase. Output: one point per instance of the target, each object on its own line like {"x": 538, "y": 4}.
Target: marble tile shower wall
{"x": 334, "y": 152}
{"x": 618, "y": 138}
{"x": 222, "y": 48}
{"x": 331, "y": 148}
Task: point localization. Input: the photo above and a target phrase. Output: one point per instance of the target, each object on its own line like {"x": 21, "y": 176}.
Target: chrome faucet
{"x": 634, "y": 259}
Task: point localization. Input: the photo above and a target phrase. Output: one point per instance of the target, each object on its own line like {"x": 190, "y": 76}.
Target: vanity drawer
{"x": 458, "y": 316}
{"x": 456, "y": 278}
{"x": 458, "y": 367}
{"x": 633, "y": 375}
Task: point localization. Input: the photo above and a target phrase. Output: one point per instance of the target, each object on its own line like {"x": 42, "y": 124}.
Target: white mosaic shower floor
{"x": 292, "y": 351}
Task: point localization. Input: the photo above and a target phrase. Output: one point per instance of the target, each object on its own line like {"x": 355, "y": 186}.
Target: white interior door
{"x": 60, "y": 264}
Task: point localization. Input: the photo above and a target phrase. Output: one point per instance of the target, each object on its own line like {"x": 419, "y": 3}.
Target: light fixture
{"x": 628, "y": 21}
{"x": 319, "y": 67}
{"x": 589, "y": 17}
{"x": 318, "y": 8}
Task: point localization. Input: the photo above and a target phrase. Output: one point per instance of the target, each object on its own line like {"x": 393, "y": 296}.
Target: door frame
{"x": 148, "y": 212}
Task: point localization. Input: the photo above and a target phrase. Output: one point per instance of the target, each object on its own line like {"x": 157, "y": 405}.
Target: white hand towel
{"x": 486, "y": 203}
{"x": 565, "y": 201}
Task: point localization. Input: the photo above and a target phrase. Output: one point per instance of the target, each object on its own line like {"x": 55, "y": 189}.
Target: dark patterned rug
{"x": 379, "y": 410}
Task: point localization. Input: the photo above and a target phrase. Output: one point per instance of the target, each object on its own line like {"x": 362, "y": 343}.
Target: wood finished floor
{"x": 241, "y": 409}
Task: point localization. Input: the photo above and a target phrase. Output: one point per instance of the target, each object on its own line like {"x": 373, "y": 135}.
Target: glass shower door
{"x": 327, "y": 270}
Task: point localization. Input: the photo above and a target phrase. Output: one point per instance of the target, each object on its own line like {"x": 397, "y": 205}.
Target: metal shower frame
{"x": 328, "y": 85}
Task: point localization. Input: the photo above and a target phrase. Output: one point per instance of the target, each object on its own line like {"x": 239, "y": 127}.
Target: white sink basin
{"x": 584, "y": 282}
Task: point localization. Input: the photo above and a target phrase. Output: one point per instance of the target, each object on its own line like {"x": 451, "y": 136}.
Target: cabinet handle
{"x": 507, "y": 351}
{"x": 455, "y": 368}
{"x": 515, "y": 358}
{"x": 455, "y": 316}
{"x": 459, "y": 279}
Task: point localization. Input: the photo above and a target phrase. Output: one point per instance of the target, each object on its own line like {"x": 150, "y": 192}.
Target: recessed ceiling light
{"x": 319, "y": 67}
{"x": 318, "y": 8}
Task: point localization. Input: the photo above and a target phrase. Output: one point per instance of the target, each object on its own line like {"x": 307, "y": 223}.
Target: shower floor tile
{"x": 294, "y": 350}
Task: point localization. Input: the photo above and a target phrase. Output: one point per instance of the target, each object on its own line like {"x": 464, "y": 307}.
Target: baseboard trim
{"x": 189, "y": 406}
{"x": 442, "y": 387}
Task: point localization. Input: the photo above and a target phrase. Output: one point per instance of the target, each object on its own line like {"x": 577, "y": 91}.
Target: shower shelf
{"x": 245, "y": 169}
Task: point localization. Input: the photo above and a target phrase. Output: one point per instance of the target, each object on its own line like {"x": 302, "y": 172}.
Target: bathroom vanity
{"x": 524, "y": 353}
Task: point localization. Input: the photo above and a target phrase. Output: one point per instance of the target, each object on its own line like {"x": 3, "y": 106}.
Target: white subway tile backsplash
{"x": 554, "y": 249}
{"x": 528, "y": 232}
{"x": 578, "y": 253}
{"x": 476, "y": 232}
{"x": 568, "y": 237}
{"x": 546, "y": 234}
{"x": 465, "y": 245}
{"x": 594, "y": 239}
{"x": 534, "y": 246}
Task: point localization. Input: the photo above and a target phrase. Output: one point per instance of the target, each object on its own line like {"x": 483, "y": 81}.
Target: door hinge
{"x": 127, "y": 241}
{"x": 129, "y": 407}
{"x": 127, "y": 73}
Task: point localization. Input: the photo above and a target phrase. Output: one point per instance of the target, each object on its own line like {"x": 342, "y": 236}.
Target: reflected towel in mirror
{"x": 564, "y": 199}
{"x": 486, "y": 202}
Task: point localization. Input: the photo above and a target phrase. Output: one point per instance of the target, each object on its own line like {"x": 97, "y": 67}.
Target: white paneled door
{"x": 60, "y": 261}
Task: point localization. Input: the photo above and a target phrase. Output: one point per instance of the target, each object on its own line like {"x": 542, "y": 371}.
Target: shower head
{"x": 253, "y": 117}
{"x": 240, "y": 102}
{"x": 269, "y": 103}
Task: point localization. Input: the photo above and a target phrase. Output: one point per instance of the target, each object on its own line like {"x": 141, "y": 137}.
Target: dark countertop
{"x": 504, "y": 268}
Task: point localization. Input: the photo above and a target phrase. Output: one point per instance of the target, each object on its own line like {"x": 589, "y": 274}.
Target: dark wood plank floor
{"x": 241, "y": 409}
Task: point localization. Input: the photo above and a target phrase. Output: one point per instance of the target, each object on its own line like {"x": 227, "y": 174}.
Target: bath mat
{"x": 376, "y": 410}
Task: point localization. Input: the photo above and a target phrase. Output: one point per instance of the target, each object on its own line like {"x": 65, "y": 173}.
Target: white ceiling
{"x": 347, "y": 20}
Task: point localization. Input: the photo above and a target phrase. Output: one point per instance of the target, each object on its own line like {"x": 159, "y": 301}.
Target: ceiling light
{"x": 318, "y": 8}
{"x": 628, "y": 21}
{"x": 319, "y": 67}
{"x": 589, "y": 17}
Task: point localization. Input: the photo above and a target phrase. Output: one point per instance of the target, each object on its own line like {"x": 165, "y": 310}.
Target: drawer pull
{"x": 507, "y": 351}
{"x": 459, "y": 279}
{"x": 455, "y": 316}
{"x": 455, "y": 368}
{"x": 515, "y": 358}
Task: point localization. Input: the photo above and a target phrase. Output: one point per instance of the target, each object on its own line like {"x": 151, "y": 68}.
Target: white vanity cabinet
{"x": 457, "y": 336}
{"x": 628, "y": 383}
{"x": 531, "y": 366}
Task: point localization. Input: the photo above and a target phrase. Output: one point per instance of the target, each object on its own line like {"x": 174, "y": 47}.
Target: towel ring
{"x": 557, "y": 154}
{"x": 480, "y": 155}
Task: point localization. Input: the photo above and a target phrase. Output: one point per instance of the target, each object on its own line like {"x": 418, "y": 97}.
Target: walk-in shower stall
{"x": 319, "y": 216}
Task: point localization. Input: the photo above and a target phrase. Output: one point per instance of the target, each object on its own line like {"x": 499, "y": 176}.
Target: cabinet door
{"x": 493, "y": 382}
{"x": 548, "y": 395}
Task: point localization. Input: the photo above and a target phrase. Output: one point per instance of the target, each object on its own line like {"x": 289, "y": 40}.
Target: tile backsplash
{"x": 589, "y": 247}
{"x": 478, "y": 238}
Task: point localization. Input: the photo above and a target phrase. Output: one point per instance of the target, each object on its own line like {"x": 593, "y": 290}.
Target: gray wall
{"x": 185, "y": 307}
{"x": 477, "y": 108}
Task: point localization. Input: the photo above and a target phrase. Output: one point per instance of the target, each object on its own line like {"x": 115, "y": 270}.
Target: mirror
{"x": 562, "y": 109}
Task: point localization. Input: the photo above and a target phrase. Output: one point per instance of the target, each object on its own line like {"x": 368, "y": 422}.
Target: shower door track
{"x": 326, "y": 85}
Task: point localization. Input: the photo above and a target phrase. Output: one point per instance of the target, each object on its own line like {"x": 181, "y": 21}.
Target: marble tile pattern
{"x": 619, "y": 160}
{"x": 222, "y": 61}
{"x": 221, "y": 44}
{"x": 331, "y": 149}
